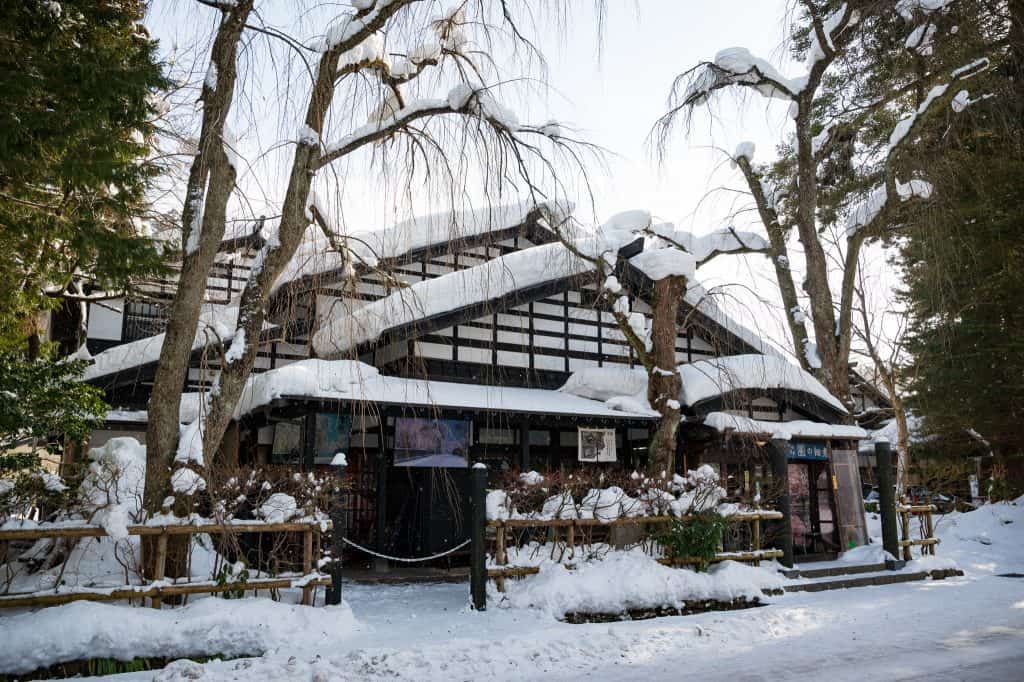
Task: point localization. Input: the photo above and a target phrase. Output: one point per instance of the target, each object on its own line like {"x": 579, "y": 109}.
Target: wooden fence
{"x": 574, "y": 530}
{"x": 927, "y": 540}
{"x": 160, "y": 587}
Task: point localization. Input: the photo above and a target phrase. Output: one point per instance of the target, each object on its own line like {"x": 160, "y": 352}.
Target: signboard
{"x": 432, "y": 442}
{"x": 332, "y": 436}
{"x": 808, "y": 451}
{"x": 597, "y": 445}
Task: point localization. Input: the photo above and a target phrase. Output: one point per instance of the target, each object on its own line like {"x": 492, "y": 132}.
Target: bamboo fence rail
{"x": 927, "y": 540}
{"x": 159, "y": 588}
{"x": 501, "y": 528}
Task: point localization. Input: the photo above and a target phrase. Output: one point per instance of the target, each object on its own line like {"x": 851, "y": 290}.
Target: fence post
{"x": 477, "y": 525}
{"x": 780, "y": 472}
{"x": 887, "y": 501}
{"x": 160, "y": 565}
{"x": 307, "y": 565}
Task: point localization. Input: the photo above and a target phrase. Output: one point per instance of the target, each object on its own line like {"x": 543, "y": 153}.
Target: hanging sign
{"x": 808, "y": 450}
{"x": 597, "y": 445}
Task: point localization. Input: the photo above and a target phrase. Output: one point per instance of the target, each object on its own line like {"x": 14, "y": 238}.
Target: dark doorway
{"x": 812, "y": 505}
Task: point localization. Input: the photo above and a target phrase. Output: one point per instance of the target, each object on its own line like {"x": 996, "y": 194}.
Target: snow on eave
{"x": 216, "y": 325}
{"x": 709, "y": 379}
{"x": 725, "y": 422}
{"x": 353, "y": 381}
{"x": 315, "y": 256}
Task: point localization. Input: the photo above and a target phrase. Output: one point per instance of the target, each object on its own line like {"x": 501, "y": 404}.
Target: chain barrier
{"x": 403, "y": 560}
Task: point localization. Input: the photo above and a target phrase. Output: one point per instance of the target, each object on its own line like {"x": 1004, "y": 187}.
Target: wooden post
{"x": 887, "y": 499}
{"x": 570, "y": 538}
{"x": 159, "y": 565}
{"x": 755, "y": 539}
{"x": 307, "y": 565}
{"x": 929, "y": 530}
{"x": 780, "y": 472}
{"x": 477, "y": 526}
{"x": 499, "y": 555}
{"x": 905, "y": 522}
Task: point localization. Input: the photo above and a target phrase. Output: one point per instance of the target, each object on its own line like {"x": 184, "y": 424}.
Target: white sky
{"x": 612, "y": 93}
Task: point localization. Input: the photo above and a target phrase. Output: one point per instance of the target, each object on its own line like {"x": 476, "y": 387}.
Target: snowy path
{"x": 974, "y": 625}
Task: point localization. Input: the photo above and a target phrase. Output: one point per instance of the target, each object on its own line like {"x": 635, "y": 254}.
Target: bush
{"x": 697, "y": 536}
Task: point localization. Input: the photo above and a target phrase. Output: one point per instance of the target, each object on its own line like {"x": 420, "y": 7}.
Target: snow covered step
{"x": 867, "y": 580}
{"x": 833, "y": 569}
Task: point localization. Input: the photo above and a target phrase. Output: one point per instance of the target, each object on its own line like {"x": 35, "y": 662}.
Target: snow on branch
{"x": 704, "y": 248}
{"x": 737, "y": 66}
{"x": 463, "y": 99}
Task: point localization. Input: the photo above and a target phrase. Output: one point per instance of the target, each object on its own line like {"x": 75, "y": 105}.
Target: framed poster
{"x": 332, "y": 436}
{"x": 596, "y": 445}
{"x": 287, "y": 447}
{"x": 423, "y": 442}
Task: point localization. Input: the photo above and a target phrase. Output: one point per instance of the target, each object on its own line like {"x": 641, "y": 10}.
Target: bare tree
{"x": 881, "y": 332}
{"x": 210, "y": 183}
{"x": 789, "y": 199}
{"x": 669, "y": 260}
{"x": 382, "y": 56}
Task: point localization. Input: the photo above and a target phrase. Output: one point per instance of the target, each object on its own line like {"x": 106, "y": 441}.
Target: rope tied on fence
{"x": 403, "y": 559}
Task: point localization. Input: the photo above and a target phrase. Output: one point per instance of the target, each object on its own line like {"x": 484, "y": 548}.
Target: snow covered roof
{"x": 315, "y": 257}
{"x": 470, "y": 288}
{"x": 722, "y": 421}
{"x": 216, "y": 325}
{"x": 706, "y": 379}
{"x": 354, "y": 381}
{"x": 626, "y": 387}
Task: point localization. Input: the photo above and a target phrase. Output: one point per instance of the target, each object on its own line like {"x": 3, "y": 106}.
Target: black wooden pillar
{"x": 780, "y": 472}
{"x": 524, "y": 445}
{"x": 887, "y": 499}
{"x": 338, "y": 531}
{"x": 383, "y": 462}
{"x": 477, "y": 526}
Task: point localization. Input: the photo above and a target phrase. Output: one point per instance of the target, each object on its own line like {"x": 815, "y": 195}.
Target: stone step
{"x": 833, "y": 570}
{"x": 871, "y": 579}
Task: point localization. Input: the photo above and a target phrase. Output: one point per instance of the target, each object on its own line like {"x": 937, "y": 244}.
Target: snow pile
{"x": 621, "y": 581}
{"x": 668, "y": 262}
{"x": 113, "y": 485}
{"x": 279, "y": 508}
{"x": 206, "y": 627}
{"x": 602, "y": 383}
{"x": 984, "y": 541}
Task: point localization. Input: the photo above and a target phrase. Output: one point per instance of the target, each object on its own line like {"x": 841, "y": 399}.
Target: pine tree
{"x": 77, "y": 78}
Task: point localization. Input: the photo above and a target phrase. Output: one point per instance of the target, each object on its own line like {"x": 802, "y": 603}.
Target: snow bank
{"x": 207, "y": 627}
{"x": 633, "y": 580}
{"x": 985, "y": 541}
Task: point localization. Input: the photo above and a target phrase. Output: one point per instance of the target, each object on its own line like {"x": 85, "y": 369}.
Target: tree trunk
{"x": 663, "y": 381}
{"x": 274, "y": 257}
{"x": 211, "y": 180}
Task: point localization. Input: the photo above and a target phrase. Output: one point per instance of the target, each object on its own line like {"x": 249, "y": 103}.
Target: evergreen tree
{"x": 77, "y": 78}
{"x": 965, "y": 256}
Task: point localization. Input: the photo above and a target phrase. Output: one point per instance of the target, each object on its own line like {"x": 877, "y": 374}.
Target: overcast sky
{"x": 612, "y": 90}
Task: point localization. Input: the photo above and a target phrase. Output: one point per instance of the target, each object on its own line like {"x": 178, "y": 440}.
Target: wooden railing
{"x": 159, "y": 587}
{"x": 927, "y": 540}
{"x": 574, "y": 528}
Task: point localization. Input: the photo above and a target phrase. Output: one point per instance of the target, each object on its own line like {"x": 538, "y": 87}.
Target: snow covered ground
{"x": 961, "y": 628}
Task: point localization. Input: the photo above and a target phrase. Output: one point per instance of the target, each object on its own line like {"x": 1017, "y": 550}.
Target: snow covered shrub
{"x": 34, "y": 494}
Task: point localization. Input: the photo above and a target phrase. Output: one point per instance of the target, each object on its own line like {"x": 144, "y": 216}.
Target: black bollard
{"x": 780, "y": 472}
{"x": 887, "y": 503}
{"x": 477, "y": 526}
